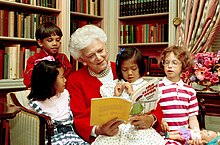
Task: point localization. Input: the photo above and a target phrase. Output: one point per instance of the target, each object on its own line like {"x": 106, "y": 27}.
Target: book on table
{"x": 143, "y": 99}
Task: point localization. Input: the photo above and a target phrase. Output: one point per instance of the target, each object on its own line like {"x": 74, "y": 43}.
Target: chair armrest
{"x": 44, "y": 119}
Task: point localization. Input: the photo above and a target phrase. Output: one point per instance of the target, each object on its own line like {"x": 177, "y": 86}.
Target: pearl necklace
{"x": 101, "y": 74}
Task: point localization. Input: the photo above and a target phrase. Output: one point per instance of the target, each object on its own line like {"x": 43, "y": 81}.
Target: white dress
{"x": 128, "y": 134}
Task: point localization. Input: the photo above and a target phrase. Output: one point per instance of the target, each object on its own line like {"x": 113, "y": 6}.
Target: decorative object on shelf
{"x": 206, "y": 71}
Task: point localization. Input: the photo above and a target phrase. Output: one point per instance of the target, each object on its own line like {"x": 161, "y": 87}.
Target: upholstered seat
{"x": 28, "y": 127}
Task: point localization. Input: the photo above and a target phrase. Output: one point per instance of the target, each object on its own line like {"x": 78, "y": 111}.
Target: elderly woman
{"x": 88, "y": 46}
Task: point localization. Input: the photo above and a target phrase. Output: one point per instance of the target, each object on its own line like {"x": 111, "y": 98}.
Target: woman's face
{"x": 95, "y": 56}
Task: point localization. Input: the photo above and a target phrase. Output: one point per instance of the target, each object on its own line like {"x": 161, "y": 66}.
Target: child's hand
{"x": 128, "y": 88}
{"x": 118, "y": 89}
{"x": 165, "y": 126}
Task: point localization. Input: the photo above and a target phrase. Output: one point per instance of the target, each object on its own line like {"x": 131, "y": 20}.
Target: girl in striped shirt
{"x": 178, "y": 100}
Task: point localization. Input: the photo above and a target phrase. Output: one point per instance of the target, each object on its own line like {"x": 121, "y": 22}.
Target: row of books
{"x": 91, "y": 7}
{"x": 13, "y": 58}
{"x": 143, "y": 33}
{"x": 16, "y": 24}
{"x": 140, "y": 7}
{"x": 76, "y": 23}
{"x": 43, "y": 3}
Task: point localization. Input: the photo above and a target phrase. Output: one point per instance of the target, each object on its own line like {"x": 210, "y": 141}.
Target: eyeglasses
{"x": 173, "y": 62}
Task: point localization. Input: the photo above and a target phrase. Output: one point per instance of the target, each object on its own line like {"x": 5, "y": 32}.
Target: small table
{"x": 209, "y": 104}
{"x": 7, "y": 111}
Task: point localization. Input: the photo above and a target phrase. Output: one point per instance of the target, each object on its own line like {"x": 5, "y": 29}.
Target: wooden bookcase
{"x": 18, "y": 24}
{"x": 83, "y": 13}
{"x": 147, "y": 25}
{"x": 65, "y": 17}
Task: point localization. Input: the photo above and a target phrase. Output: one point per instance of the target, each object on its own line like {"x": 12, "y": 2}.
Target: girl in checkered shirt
{"x": 48, "y": 96}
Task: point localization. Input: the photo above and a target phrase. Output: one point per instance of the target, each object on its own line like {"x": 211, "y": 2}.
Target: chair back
{"x": 27, "y": 128}
{"x": 21, "y": 96}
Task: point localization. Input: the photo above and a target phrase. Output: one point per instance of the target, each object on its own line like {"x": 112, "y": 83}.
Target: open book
{"x": 106, "y": 109}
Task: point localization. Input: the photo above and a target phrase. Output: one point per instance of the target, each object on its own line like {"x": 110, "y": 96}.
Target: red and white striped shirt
{"x": 178, "y": 102}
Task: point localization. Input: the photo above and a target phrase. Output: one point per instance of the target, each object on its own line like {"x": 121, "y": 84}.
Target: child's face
{"x": 50, "y": 44}
{"x": 60, "y": 81}
{"x": 208, "y": 135}
{"x": 172, "y": 67}
{"x": 130, "y": 70}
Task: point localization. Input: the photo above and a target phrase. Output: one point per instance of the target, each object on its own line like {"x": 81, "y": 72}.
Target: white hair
{"x": 83, "y": 37}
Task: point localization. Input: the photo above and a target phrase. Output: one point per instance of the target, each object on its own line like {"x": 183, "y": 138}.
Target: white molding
{"x": 172, "y": 14}
{"x": 111, "y": 27}
{"x": 11, "y": 84}
{"x": 64, "y": 24}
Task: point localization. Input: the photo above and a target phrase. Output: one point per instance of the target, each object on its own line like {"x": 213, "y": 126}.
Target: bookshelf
{"x": 85, "y": 12}
{"x": 18, "y": 22}
{"x": 66, "y": 15}
{"x": 147, "y": 25}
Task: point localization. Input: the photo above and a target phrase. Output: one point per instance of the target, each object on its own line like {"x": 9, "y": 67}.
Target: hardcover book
{"x": 106, "y": 109}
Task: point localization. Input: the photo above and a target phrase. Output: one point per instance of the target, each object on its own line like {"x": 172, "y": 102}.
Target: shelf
{"x": 11, "y": 83}
{"x": 85, "y": 16}
{"x": 144, "y": 16}
{"x": 20, "y": 7}
{"x": 17, "y": 39}
{"x": 144, "y": 44}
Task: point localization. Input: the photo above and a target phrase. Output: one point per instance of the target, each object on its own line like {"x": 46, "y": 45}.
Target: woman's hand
{"x": 118, "y": 89}
{"x": 108, "y": 129}
{"x": 165, "y": 126}
{"x": 142, "y": 121}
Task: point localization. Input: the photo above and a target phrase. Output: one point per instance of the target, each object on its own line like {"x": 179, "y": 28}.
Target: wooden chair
{"x": 28, "y": 127}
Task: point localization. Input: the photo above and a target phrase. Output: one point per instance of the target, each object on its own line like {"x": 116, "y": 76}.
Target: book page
{"x": 105, "y": 109}
{"x": 147, "y": 95}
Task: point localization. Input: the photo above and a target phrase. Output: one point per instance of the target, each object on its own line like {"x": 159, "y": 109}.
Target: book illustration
{"x": 137, "y": 108}
{"x": 147, "y": 95}
{"x": 105, "y": 109}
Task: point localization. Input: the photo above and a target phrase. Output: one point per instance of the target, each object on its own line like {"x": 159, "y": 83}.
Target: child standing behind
{"x": 130, "y": 68}
{"x": 48, "y": 96}
{"x": 48, "y": 37}
{"x": 178, "y": 100}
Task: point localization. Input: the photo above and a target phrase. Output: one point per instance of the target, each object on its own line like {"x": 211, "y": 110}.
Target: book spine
{"x": 1, "y": 63}
{"x": 1, "y": 22}
{"x": 5, "y": 23}
{"x": 121, "y": 34}
{"x": 11, "y": 24}
{"x": 6, "y": 61}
